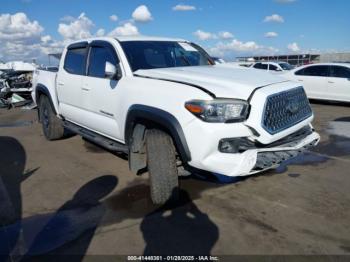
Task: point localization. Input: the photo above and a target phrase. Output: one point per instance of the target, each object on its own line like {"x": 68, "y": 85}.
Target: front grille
{"x": 285, "y": 109}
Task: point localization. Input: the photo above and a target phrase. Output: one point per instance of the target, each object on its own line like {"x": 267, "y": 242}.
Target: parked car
{"x": 170, "y": 108}
{"x": 275, "y": 67}
{"x": 218, "y": 60}
{"x": 328, "y": 81}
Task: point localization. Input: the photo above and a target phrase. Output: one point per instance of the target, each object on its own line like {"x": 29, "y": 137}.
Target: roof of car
{"x": 270, "y": 62}
{"x": 132, "y": 38}
{"x": 147, "y": 38}
{"x": 328, "y": 64}
{"x": 341, "y": 64}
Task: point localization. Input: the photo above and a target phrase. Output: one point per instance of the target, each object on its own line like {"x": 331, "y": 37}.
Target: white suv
{"x": 169, "y": 107}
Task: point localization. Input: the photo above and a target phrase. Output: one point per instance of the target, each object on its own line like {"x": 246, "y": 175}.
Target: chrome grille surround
{"x": 285, "y": 109}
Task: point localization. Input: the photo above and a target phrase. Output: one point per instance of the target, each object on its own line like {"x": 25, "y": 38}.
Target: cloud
{"x": 271, "y": 34}
{"x": 184, "y": 8}
{"x": 21, "y": 38}
{"x": 239, "y": 46}
{"x": 285, "y": 1}
{"x": 293, "y": 47}
{"x": 142, "y": 14}
{"x": 100, "y": 32}
{"x": 67, "y": 19}
{"x": 76, "y": 29}
{"x": 236, "y": 47}
{"x": 127, "y": 29}
{"x": 274, "y": 18}
{"x": 203, "y": 36}
{"x": 19, "y": 28}
{"x": 46, "y": 39}
{"x": 225, "y": 35}
{"x": 113, "y": 18}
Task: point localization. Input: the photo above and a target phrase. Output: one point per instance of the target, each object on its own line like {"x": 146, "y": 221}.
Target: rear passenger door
{"x": 339, "y": 83}
{"x": 100, "y": 94}
{"x": 314, "y": 80}
{"x": 69, "y": 81}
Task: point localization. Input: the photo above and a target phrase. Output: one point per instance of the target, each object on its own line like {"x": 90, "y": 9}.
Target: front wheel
{"x": 161, "y": 161}
{"x": 52, "y": 126}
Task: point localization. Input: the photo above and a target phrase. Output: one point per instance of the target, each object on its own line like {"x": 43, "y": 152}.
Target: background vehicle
{"x": 170, "y": 108}
{"x": 275, "y": 67}
{"x": 218, "y": 60}
{"x": 328, "y": 81}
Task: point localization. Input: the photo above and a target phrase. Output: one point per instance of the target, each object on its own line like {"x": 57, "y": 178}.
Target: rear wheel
{"x": 52, "y": 126}
{"x": 161, "y": 161}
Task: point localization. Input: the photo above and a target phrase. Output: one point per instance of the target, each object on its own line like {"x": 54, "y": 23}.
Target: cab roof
{"x": 148, "y": 38}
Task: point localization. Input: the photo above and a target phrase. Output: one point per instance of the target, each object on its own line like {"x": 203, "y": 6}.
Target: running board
{"x": 97, "y": 138}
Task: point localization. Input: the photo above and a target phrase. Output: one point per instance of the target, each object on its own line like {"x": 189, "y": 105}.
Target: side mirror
{"x": 279, "y": 70}
{"x": 112, "y": 72}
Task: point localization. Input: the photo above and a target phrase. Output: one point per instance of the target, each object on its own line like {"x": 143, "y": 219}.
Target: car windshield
{"x": 164, "y": 54}
{"x": 286, "y": 66}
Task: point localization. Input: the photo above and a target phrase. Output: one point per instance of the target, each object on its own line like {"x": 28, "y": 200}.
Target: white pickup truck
{"x": 169, "y": 107}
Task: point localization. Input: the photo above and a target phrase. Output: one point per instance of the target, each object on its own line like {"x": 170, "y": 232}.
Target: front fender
{"x": 147, "y": 114}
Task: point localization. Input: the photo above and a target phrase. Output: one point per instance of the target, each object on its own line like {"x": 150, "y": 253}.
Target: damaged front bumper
{"x": 261, "y": 159}
{"x": 252, "y": 157}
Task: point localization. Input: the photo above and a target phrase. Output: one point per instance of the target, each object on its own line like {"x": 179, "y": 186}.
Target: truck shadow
{"x": 12, "y": 174}
{"x": 179, "y": 229}
{"x": 69, "y": 230}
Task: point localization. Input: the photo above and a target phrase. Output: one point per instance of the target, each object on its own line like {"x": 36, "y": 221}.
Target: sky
{"x": 30, "y": 29}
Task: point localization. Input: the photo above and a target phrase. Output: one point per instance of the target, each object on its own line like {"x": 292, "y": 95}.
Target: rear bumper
{"x": 257, "y": 159}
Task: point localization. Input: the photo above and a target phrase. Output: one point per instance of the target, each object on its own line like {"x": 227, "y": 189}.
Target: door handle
{"x": 60, "y": 83}
{"x": 331, "y": 82}
{"x": 300, "y": 80}
{"x": 85, "y": 89}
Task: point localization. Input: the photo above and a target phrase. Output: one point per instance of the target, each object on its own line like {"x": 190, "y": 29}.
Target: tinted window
{"x": 340, "y": 71}
{"x": 257, "y": 66}
{"x": 273, "y": 67}
{"x": 261, "y": 66}
{"x": 314, "y": 71}
{"x": 98, "y": 58}
{"x": 75, "y": 61}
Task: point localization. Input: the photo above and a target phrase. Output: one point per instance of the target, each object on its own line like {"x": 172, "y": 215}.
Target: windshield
{"x": 163, "y": 54}
{"x": 286, "y": 66}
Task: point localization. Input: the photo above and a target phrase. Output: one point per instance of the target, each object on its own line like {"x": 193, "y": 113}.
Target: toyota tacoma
{"x": 167, "y": 105}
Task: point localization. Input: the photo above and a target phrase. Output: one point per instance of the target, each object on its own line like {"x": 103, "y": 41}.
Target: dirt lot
{"x": 71, "y": 197}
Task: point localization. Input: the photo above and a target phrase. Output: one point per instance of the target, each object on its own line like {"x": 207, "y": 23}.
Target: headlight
{"x": 219, "y": 110}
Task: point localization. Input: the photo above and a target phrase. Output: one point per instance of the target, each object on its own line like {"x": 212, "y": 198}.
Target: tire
{"x": 52, "y": 126}
{"x": 161, "y": 162}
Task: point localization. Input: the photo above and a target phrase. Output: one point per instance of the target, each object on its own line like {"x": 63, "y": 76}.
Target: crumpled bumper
{"x": 258, "y": 159}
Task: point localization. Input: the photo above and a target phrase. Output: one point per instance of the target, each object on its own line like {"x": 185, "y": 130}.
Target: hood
{"x": 222, "y": 81}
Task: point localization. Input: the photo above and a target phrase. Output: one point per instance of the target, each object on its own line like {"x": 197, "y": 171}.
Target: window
{"x": 75, "y": 61}
{"x": 257, "y": 66}
{"x": 98, "y": 58}
{"x": 261, "y": 66}
{"x": 314, "y": 71}
{"x": 273, "y": 68}
{"x": 340, "y": 71}
{"x": 164, "y": 54}
{"x": 286, "y": 66}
